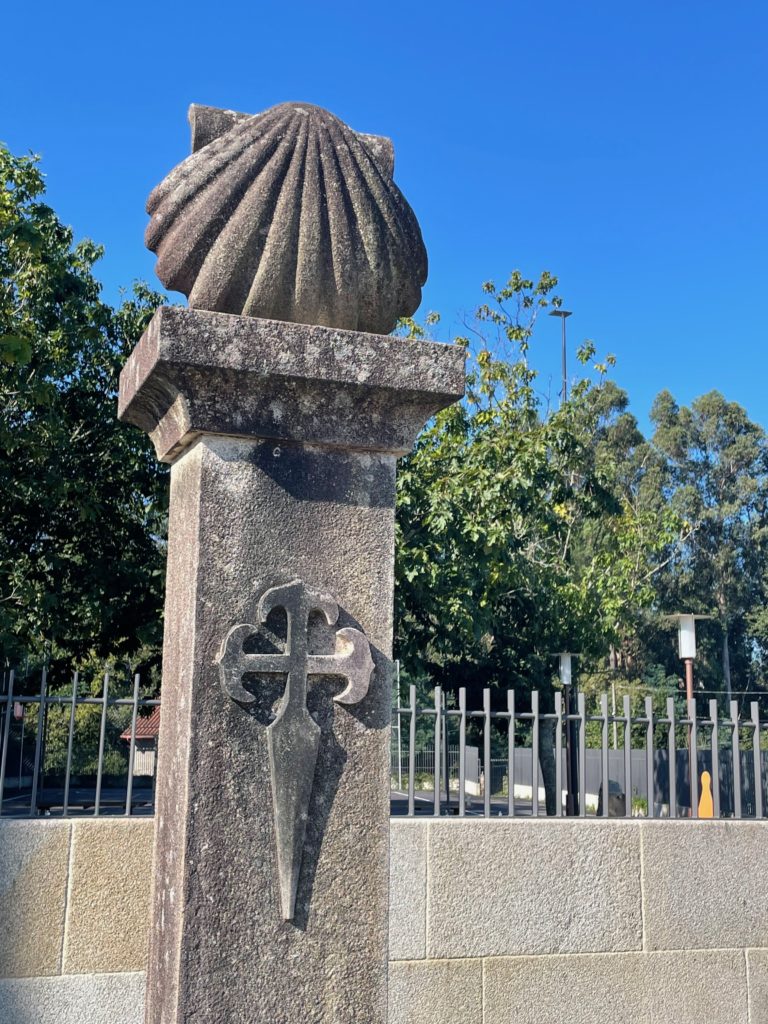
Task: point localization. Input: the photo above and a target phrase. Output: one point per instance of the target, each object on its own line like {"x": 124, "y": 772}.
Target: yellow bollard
{"x": 706, "y": 806}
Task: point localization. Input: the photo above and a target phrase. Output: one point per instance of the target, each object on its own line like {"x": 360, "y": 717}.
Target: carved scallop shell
{"x": 290, "y": 215}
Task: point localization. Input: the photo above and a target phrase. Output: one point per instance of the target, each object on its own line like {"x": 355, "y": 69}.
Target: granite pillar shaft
{"x": 246, "y": 514}
{"x": 283, "y": 470}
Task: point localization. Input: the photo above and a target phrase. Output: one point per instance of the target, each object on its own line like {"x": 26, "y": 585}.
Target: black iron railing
{"x": 67, "y": 753}
{"x": 517, "y": 761}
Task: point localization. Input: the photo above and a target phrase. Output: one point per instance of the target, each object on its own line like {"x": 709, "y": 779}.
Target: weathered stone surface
{"x": 526, "y": 901}
{"x": 706, "y": 889}
{"x": 195, "y": 372}
{"x": 283, "y": 441}
{"x": 108, "y": 908}
{"x": 245, "y": 516}
{"x": 77, "y": 999}
{"x": 757, "y": 976}
{"x": 208, "y": 123}
{"x": 436, "y": 991}
{"x": 291, "y": 215}
{"x": 407, "y": 890}
{"x": 655, "y": 988}
{"x": 33, "y": 883}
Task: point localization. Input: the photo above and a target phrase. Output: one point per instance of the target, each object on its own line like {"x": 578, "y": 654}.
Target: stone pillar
{"x": 283, "y": 440}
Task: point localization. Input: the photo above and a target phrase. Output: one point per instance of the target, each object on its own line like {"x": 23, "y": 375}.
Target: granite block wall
{"x": 578, "y": 922}
{"x": 74, "y": 916}
{"x": 491, "y": 922}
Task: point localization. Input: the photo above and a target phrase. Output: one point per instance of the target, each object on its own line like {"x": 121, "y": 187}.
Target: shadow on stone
{"x": 357, "y": 478}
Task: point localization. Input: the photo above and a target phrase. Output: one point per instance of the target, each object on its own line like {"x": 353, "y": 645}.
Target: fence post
{"x": 132, "y": 748}
{"x": 604, "y": 753}
{"x": 399, "y": 729}
{"x": 102, "y": 734}
{"x": 438, "y": 738}
{"x": 582, "y": 709}
{"x": 6, "y": 733}
{"x": 487, "y": 753}
{"x": 39, "y": 743}
{"x": 446, "y": 770}
{"x": 511, "y": 754}
{"x": 462, "y": 750}
{"x": 757, "y": 760}
{"x": 650, "y": 757}
{"x": 715, "y": 746}
{"x": 559, "y": 754}
{"x": 736, "y": 754}
{"x": 535, "y": 754}
{"x": 70, "y": 741}
{"x": 627, "y": 757}
{"x": 672, "y": 754}
{"x": 412, "y": 750}
{"x": 693, "y": 757}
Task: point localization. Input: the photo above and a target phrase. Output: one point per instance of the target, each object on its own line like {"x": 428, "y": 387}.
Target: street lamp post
{"x": 563, "y": 314}
{"x": 572, "y": 754}
{"x": 686, "y": 647}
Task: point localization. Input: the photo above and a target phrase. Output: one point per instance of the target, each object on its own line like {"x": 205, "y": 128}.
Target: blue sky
{"x": 621, "y": 146}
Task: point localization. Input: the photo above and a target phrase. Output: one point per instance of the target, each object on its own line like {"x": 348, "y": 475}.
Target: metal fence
{"x": 82, "y": 750}
{"x": 530, "y": 762}
{"x": 68, "y": 753}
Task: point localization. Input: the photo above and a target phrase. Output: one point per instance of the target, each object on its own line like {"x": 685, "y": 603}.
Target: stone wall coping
{"x": 589, "y": 822}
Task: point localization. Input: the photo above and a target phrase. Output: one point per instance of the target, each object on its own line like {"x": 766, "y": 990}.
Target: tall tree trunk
{"x": 726, "y": 663}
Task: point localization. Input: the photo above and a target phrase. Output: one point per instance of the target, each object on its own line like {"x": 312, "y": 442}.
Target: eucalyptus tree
{"x": 717, "y": 463}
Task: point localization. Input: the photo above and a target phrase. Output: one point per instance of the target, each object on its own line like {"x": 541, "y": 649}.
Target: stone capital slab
{"x": 195, "y": 372}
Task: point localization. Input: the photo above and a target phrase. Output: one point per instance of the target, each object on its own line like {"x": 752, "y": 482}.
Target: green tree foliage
{"x": 82, "y": 499}
{"x": 514, "y": 539}
{"x": 522, "y": 529}
{"x": 716, "y": 463}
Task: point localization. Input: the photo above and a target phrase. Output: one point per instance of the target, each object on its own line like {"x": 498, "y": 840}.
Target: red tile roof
{"x": 147, "y": 727}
